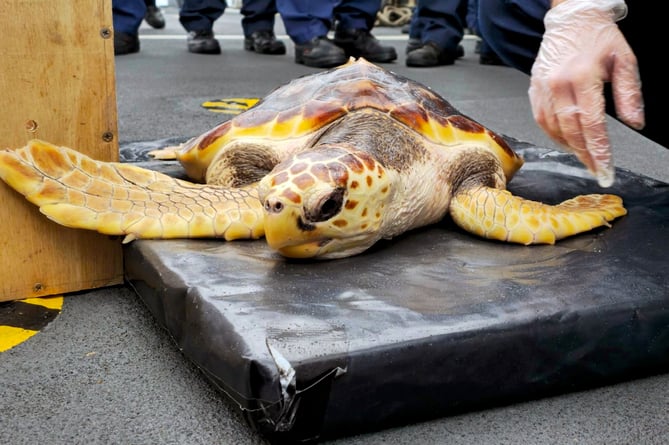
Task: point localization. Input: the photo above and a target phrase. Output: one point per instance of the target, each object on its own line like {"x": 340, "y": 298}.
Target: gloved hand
{"x": 582, "y": 48}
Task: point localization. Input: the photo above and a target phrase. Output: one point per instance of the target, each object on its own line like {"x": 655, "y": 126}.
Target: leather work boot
{"x": 490, "y": 59}
{"x": 430, "y": 54}
{"x": 415, "y": 43}
{"x": 412, "y": 44}
{"x": 154, "y": 17}
{"x": 264, "y": 42}
{"x": 125, "y": 43}
{"x": 361, "y": 43}
{"x": 203, "y": 42}
{"x": 320, "y": 52}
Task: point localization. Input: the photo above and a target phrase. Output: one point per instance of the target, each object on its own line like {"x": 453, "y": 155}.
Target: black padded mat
{"x": 432, "y": 323}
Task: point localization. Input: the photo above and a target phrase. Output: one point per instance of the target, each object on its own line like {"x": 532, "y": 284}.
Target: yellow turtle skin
{"x": 323, "y": 167}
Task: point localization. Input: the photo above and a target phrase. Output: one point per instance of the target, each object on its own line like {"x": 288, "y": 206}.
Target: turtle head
{"x": 325, "y": 203}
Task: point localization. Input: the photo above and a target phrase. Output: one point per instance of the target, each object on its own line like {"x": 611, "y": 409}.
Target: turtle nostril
{"x": 273, "y": 206}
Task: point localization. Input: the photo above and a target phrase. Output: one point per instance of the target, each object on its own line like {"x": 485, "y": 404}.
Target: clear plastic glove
{"x": 582, "y": 49}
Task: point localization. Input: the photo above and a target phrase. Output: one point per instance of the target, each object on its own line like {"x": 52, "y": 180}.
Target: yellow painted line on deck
{"x": 47, "y": 302}
{"x": 10, "y": 336}
{"x": 230, "y": 105}
{"x": 21, "y": 319}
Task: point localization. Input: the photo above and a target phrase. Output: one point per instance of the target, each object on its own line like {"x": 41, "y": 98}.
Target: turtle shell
{"x": 286, "y": 119}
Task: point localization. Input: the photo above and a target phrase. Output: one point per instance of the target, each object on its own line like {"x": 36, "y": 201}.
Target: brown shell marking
{"x": 338, "y": 172}
{"x": 304, "y": 181}
{"x": 292, "y": 196}
{"x": 280, "y": 178}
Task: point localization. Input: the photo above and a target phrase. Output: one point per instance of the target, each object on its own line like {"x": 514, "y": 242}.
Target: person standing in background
{"x": 435, "y": 33}
{"x": 127, "y": 16}
{"x": 486, "y": 55}
{"x": 308, "y": 23}
{"x": 198, "y": 17}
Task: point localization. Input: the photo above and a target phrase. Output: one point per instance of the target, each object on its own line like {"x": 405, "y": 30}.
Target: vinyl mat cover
{"x": 432, "y": 323}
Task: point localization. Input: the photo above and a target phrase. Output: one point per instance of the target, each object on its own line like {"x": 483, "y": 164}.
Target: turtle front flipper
{"x": 497, "y": 214}
{"x": 121, "y": 199}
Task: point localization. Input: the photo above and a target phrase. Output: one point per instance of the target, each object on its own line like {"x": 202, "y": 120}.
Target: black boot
{"x": 125, "y": 43}
{"x": 361, "y": 43}
{"x": 264, "y": 42}
{"x": 320, "y": 52}
{"x": 154, "y": 17}
{"x": 490, "y": 59}
{"x": 415, "y": 43}
{"x": 203, "y": 42}
{"x": 412, "y": 44}
{"x": 431, "y": 55}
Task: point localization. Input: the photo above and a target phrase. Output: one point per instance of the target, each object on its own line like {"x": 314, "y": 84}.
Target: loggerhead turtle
{"x": 324, "y": 166}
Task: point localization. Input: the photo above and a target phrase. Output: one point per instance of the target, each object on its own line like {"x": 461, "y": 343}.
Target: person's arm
{"x": 582, "y": 49}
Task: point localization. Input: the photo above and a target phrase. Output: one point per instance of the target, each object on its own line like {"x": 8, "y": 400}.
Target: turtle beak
{"x": 307, "y": 250}
{"x": 286, "y": 233}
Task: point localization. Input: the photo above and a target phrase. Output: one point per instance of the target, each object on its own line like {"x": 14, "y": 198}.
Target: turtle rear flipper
{"x": 121, "y": 199}
{"x": 497, "y": 214}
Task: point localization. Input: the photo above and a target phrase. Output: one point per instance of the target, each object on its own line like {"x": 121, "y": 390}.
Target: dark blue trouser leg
{"x": 439, "y": 21}
{"x": 127, "y": 15}
{"x": 306, "y": 19}
{"x": 357, "y": 14}
{"x": 200, "y": 15}
{"x": 513, "y": 29}
{"x": 473, "y": 25}
{"x": 258, "y": 15}
{"x": 415, "y": 26}
{"x": 472, "y": 17}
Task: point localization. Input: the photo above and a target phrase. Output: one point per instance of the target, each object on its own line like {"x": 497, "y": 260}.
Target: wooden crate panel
{"x": 58, "y": 84}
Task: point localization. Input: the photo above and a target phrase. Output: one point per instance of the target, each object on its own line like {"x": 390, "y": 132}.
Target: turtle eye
{"x": 327, "y": 207}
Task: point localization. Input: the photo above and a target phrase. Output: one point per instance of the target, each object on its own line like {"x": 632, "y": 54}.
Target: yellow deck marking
{"x": 10, "y": 337}
{"x": 18, "y": 324}
{"x": 47, "y": 302}
{"x": 231, "y": 105}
